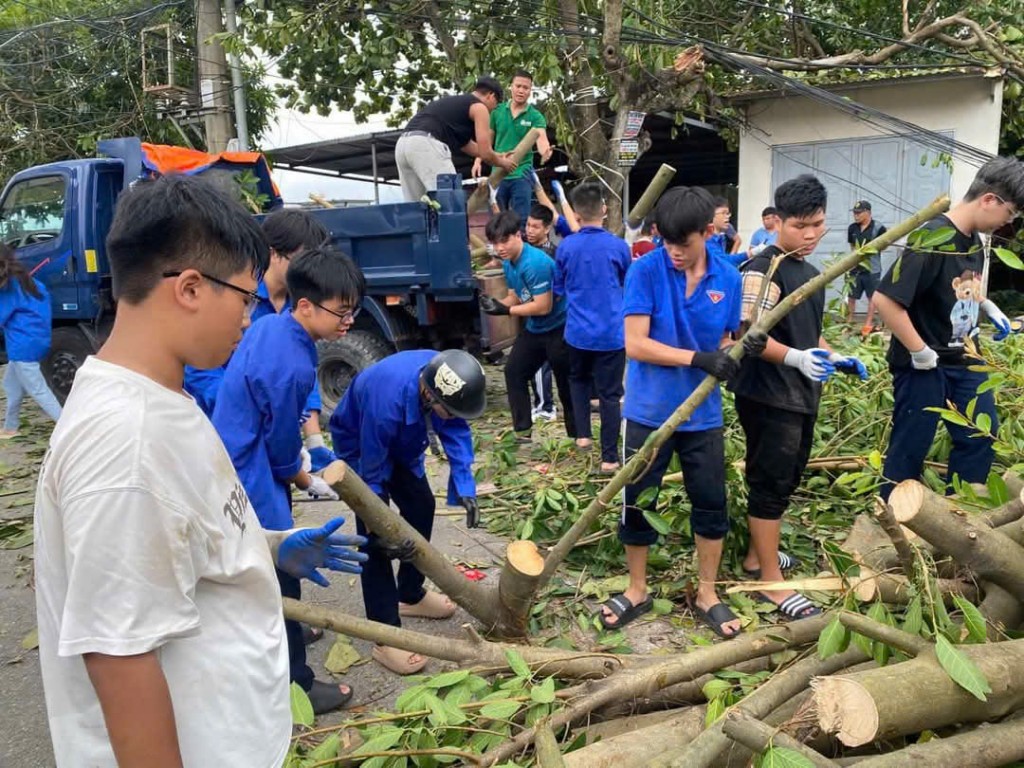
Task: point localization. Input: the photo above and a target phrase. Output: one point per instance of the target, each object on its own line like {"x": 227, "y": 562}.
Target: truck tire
{"x": 341, "y": 360}
{"x": 68, "y": 349}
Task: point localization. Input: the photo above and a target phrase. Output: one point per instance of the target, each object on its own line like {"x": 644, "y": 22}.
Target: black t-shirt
{"x": 856, "y": 237}
{"x": 447, "y": 119}
{"x": 941, "y": 293}
{"x": 780, "y": 385}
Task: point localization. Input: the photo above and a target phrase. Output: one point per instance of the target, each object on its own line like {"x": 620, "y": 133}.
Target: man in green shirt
{"x": 510, "y": 122}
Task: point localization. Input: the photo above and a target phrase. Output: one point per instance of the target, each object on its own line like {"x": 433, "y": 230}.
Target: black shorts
{"x": 863, "y": 284}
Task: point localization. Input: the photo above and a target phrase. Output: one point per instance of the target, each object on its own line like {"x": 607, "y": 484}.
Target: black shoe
{"x": 327, "y": 697}
{"x": 311, "y": 634}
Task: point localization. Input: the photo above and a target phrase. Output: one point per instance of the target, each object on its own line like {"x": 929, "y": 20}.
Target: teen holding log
{"x": 777, "y": 393}
{"x": 381, "y": 430}
{"x": 681, "y": 303}
{"x": 260, "y": 405}
{"x": 932, "y": 304}
{"x": 161, "y": 637}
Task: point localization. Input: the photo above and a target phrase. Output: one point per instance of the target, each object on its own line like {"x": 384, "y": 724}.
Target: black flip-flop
{"x": 716, "y": 617}
{"x": 786, "y": 563}
{"x": 311, "y": 634}
{"x": 624, "y": 610}
{"x": 796, "y": 606}
{"x": 327, "y": 697}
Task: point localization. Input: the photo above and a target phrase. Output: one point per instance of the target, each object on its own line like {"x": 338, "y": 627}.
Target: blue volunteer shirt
{"x": 204, "y": 384}
{"x": 655, "y": 288}
{"x": 258, "y": 410}
{"x": 380, "y": 423}
{"x": 25, "y": 321}
{"x": 763, "y": 237}
{"x": 532, "y": 275}
{"x": 590, "y": 269}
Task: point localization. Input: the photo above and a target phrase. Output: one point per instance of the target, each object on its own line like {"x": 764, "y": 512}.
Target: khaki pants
{"x": 420, "y": 159}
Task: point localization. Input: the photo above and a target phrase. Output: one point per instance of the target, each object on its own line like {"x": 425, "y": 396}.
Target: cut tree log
{"x": 480, "y": 199}
{"x": 757, "y": 737}
{"x": 904, "y": 551}
{"x": 639, "y": 462}
{"x": 518, "y": 584}
{"x": 704, "y": 750}
{"x": 473, "y": 651}
{"x": 987, "y": 552}
{"x": 1002, "y": 611}
{"x": 645, "y": 204}
{"x": 915, "y": 695}
{"x": 987, "y": 746}
{"x": 644, "y": 680}
{"x": 642, "y": 744}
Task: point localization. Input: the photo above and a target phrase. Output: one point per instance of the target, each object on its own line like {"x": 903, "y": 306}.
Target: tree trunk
{"x": 517, "y": 587}
{"x": 644, "y": 680}
{"x": 756, "y": 736}
{"x": 988, "y": 746}
{"x": 480, "y": 199}
{"x": 641, "y": 745}
{"x": 709, "y": 745}
{"x": 918, "y": 694}
{"x": 546, "y": 748}
{"x": 650, "y": 197}
{"x": 988, "y": 553}
{"x": 636, "y": 465}
{"x": 1002, "y": 611}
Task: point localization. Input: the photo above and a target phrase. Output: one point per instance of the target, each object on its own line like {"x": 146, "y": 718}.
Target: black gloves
{"x": 755, "y": 342}
{"x": 717, "y": 363}
{"x": 492, "y": 306}
{"x": 472, "y": 512}
{"x": 405, "y": 551}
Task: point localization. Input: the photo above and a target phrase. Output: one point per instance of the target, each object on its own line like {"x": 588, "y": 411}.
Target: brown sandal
{"x": 398, "y": 661}
{"x": 433, "y": 606}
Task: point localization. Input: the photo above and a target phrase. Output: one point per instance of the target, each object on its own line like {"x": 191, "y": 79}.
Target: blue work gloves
{"x": 812, "y": 363}
{"x": 531, "y": 176}
{"x": 556, "y": 187}
{"x": 849, "y": 365}
{"x": 320, "y": 457}
{"x": 999, "y": 320}
{"x": 304, "y": 551}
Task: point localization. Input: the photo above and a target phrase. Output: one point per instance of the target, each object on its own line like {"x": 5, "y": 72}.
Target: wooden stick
{"x": 910, "y": 644}
{"x": 905, "y": 553}
{"x": 479, "y": 200}
{"x": 757, "y": 737}
{"x": 546, "y": 747}
{"x": 640, "y": 460}
{"x": 650, "y": 196}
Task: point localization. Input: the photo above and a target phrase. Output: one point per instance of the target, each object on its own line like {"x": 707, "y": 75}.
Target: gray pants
{"x": 420, "y": 159}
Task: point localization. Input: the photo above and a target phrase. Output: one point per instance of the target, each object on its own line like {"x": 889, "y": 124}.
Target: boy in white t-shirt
{"x": 161, "y": 634}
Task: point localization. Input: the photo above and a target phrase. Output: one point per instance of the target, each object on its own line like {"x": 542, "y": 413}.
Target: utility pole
{"x": 213, "y": 76}
{"x": 237, "y": 85}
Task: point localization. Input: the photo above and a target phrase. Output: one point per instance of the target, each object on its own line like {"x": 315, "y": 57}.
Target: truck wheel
{"x": 68, "y": 349}
{"x": 341, "y": 360}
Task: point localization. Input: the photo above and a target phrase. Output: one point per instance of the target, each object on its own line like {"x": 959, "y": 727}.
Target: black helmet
{"x": 457, "y": 381}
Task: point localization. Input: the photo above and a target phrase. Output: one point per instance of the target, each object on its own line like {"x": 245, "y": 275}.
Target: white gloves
{"x": 924, "y": 359}
{"x": 631, "y": 233}
{"x": 307, "y": 460}
{"x": 812, "y": 363}
{"x": 999, "y": 320}
{"x": 319, "y": 490}
{"x": 492, "y": 194}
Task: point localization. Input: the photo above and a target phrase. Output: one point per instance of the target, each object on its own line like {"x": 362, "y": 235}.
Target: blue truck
{"x": 421, "y": 288}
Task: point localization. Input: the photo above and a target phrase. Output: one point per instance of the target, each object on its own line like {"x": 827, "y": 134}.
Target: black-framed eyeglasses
{"x": 1014, "y": 213}
{"x": 252, "y": 299}
{"x": 347, "y": 317}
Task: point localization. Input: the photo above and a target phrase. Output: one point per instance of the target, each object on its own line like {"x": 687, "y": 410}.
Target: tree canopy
{"x": 594, "y": 61}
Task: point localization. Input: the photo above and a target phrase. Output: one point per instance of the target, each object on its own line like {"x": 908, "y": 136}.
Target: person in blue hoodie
{"x": 25, "y": 320}
{"x": 261, "y": 401}
{"x": 590, "y": 269}
{"x": 381, "y": 429}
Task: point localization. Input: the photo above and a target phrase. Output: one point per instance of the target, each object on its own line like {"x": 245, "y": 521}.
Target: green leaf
{"x": 545, "y": 692}
{"x": 984, "y": 423}
{"x": 716, "y": 708}
{"x": 780, "y": 757}
{"x": 834, "y": 638}
{"x": 875, "y": 460}
{"x": 897, "y": 268}
{"x": 325, "y": 749}
{"x": 446, "y": 679}
{"x": 302, "y": 709}
{"x": 935, "y": 238}
{"x": 411, "y": 698}
{"x": 502, "y": 709}
{"x": 661, "y": 606}
{"x": 1009, "y": 258}
{"x": 961, "y": 669}
{"x": 341, "y": 656}
{"x": 31, "y": 640}
{"x": 973, "y": 620}
{"x": 842, "y": 564}
{"x": 380, "y": 742}
{"x": 438, "y": 716}
{"x": 517, "y": 663}
{"x": 657, "y": 522}
{"x": 714, "y": 688}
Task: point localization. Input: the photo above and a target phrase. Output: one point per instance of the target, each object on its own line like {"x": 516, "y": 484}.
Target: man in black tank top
{"x": 449, "y": 124}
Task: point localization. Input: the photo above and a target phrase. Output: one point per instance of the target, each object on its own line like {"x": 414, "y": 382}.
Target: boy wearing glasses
{"x": 381, "y": 430}
{"x": 161, "y": 639}
{"x": 259, "y": 405}
{"x": 932, "y": 304}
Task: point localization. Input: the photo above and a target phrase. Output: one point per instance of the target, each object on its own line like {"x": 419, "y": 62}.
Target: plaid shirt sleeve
{"x": 752, "y": 282}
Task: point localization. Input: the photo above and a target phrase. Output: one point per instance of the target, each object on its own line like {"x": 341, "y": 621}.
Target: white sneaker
{"x": 546, "y": 415}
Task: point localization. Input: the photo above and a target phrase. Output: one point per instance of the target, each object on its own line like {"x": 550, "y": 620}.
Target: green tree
{"x": 594, "y": 61}
{"x": 71, "y": 74}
